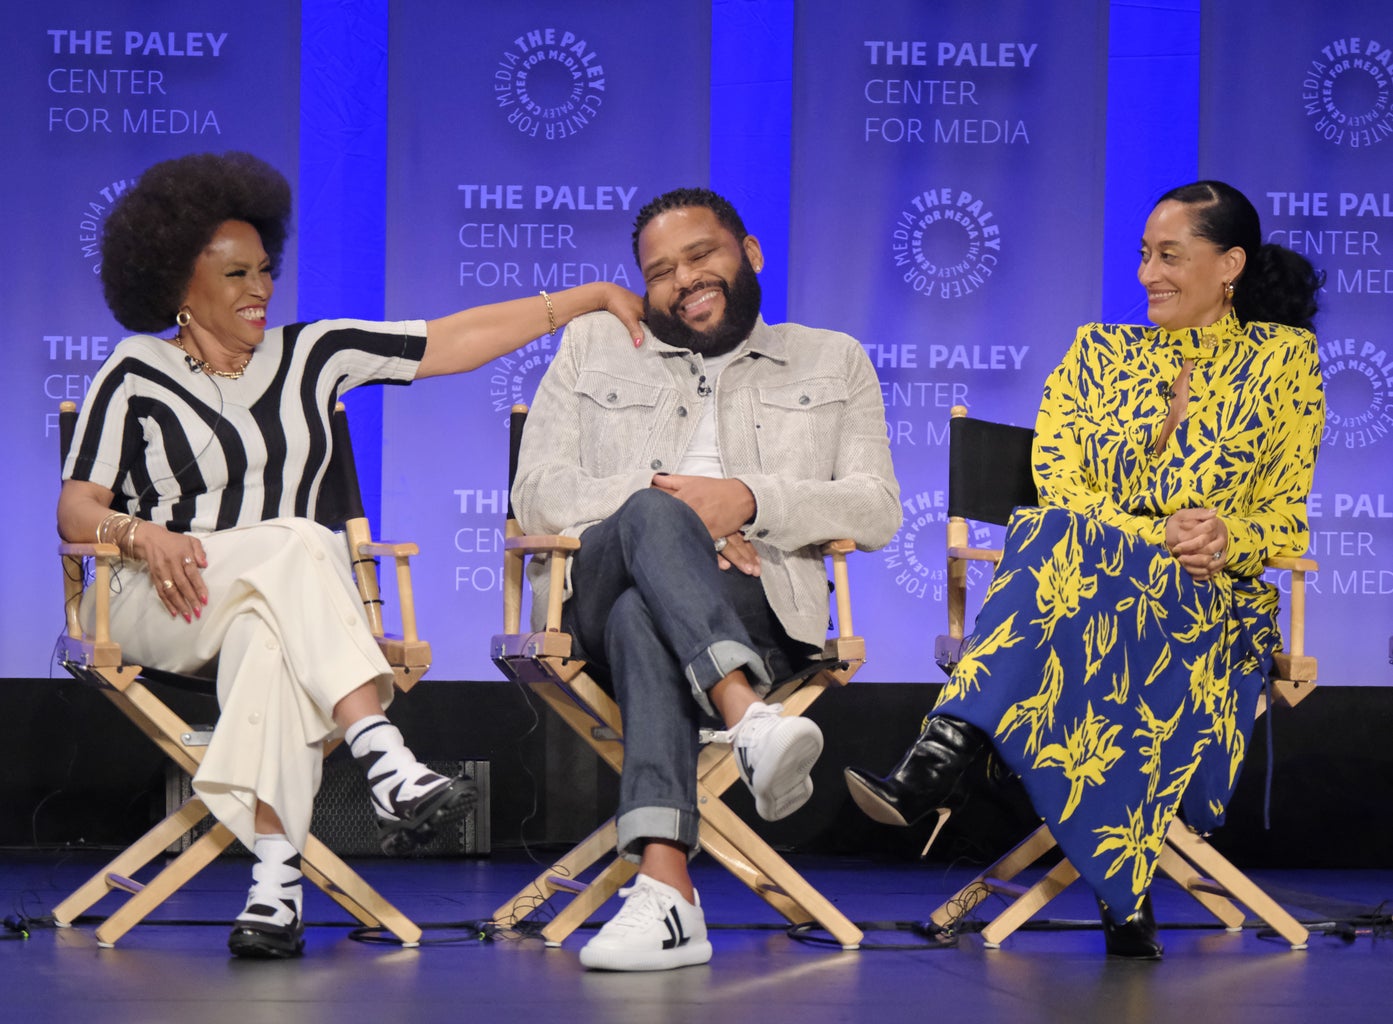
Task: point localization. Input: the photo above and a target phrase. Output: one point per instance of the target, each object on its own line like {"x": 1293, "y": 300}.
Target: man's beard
{"x": 742, "y": 299}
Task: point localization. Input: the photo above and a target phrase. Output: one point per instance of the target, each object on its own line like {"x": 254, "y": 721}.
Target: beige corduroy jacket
{"x": 799, "y": 418}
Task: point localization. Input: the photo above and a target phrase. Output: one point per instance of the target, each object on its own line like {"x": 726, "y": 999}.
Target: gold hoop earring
{"x": 1228, "y": 290}
{"x": 183, "y": 318}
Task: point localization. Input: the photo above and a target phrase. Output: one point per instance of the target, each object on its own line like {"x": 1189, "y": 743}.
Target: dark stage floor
{"x": 178, "y": 969}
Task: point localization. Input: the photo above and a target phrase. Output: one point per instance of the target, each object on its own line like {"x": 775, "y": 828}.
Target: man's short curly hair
{"x": 156, "y": 231}
{"x": 680, "y": 198}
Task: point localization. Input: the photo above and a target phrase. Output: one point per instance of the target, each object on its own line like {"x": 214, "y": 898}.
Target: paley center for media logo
{"x": 945, "y": 243}
{"x": 1345, "y": 92}
{"x": 1358, "y": 378}
{"x": 549, "y": 84}
{"x": 91, "y": 215}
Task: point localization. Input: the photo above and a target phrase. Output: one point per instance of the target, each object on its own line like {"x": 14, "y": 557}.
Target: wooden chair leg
{"x": 561, "y": 876}
{"x": 1031, "y": 902}
{"x": 177, "y": 873}
{"x": 1183, "y": 873}
{"x": 1236, "y": 884}
{"x": 590, "y": 899}
{"x": 783, "y": 883}
{"x": 118, "y": 872}
{"x": 998, "y": 877}
{"x": 349, "y": 890}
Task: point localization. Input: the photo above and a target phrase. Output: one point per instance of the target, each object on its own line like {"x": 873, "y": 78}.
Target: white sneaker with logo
{"x": 655, "y": 930}
{"x": 775, "y": 755}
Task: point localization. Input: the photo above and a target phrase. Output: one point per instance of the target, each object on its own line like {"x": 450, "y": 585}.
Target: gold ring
{"x": 167, "y": 584}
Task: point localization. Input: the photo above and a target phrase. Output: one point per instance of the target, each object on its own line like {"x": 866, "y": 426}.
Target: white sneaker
{"x": 655, "y": 930}
{"x": 775, "y": 755}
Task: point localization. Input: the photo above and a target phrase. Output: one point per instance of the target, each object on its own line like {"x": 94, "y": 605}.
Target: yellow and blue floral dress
{"x": 1110, "y": 680}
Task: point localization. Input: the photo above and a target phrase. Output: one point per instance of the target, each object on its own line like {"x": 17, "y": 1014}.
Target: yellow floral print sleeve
{"x": 1252, "y": 430}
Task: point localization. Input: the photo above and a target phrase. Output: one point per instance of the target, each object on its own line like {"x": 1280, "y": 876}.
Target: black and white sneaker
{"x": 269, "y": 927}
{"x": 775, "y": 755}
{"x": 408, "y": 823}
{"x": 655, "y": 930}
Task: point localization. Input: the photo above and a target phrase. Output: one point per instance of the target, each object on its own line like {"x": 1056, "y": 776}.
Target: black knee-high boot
{"x": 928, "y": 777}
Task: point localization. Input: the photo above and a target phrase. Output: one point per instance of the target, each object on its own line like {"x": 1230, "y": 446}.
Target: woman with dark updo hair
{"x": 199, "y": 455}
{"x": 1118, "y": 657}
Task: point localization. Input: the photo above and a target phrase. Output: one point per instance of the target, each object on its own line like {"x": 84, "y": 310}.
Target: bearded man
{"x": 703, "y": 470}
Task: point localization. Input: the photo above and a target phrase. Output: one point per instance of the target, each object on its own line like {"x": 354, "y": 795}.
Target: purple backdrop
{"x": 93, "y": 95}
{"x": 522, "y": 141}
{"x": 948, "y": 212}
{"x": 1318, "y": 164}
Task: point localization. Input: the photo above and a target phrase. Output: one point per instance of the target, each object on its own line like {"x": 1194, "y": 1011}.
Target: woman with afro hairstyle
{"x": 199, "y": 454}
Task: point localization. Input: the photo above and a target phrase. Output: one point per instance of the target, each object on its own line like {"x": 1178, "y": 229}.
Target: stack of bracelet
{"x": 119, "y": 528}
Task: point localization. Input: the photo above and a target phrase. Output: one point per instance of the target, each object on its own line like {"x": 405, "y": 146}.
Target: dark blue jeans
{"x": 660, "y": 620}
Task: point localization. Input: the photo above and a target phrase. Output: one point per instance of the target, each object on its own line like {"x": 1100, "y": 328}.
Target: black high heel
{"x": 1135, "y": 939}
{"x": 928, "y": 779}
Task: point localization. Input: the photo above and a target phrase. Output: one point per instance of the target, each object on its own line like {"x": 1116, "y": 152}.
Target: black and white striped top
{"x": 194, "y": 452}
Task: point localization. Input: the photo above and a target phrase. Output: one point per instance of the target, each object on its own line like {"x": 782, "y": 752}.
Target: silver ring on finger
{"x": 721, "y": 543}
{"x": 188, "y": 560}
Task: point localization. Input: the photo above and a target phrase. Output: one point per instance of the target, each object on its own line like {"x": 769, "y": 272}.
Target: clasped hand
{"x": 724, "y": 506}
{"x": 1199, "y": 540}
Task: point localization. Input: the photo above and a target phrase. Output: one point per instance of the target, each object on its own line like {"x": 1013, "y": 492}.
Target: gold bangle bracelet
{"x": 551, "y": 313}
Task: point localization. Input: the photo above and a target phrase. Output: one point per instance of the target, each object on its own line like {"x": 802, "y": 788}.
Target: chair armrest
{"x": 97, "y": 649}
{"x": 535, "y": 544}
{"x": 516, "y": 549}
{"x": 362, "y": 549}
{"x": 89, "y": 550}
{"x": 992, "y": 555}
{"x": 1292, "y": 564}
{"x": 388, "y": 549}
{"x": 837, "y": 550}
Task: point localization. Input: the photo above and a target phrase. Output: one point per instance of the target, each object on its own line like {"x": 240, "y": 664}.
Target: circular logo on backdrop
{"x": 90, "y": 218}
{"x": 946, "y": 243}
{"x": 549, "y": 84}
{"x": 1346, "y": 92}
{"x": 904, "y": 557}
{"x": 514, "y": 377}
{"x": 1358, "y": 381}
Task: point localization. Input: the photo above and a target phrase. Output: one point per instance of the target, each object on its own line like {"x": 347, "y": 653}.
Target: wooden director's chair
{"x": 989, "y": 475}
{"x": 95, "y": 659}
{"x": 542, "y": 660}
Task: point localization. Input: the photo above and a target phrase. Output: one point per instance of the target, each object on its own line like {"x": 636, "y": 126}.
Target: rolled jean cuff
{"x": 718, "y": 661}
{"x": 641, "y": 824}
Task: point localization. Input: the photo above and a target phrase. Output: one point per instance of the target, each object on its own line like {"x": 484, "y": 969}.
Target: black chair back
{"x": 340, "y": 498}
{"x": 989, "y": 470}
{"x": 516, "y": 421}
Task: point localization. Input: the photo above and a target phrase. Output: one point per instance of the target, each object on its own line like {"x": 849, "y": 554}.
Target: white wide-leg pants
{"x": 287, "y": 635}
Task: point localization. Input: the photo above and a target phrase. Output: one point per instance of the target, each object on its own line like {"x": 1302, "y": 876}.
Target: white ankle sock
{"x": 394, "y": 774}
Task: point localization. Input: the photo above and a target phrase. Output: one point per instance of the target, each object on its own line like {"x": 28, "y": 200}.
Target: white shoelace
{"x": 643, "y": 904}
{"x": 732, "y": 734}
